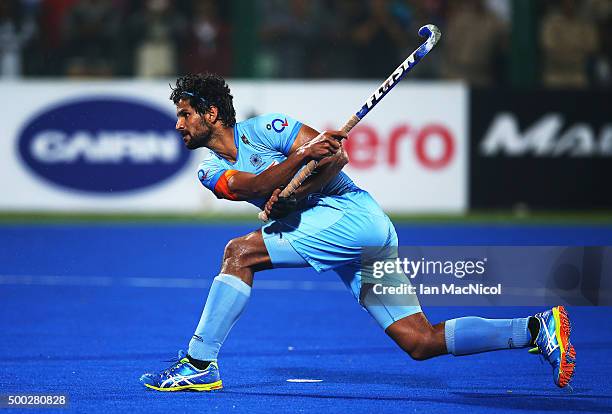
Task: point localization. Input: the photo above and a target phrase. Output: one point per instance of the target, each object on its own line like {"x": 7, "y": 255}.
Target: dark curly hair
{"x": 204, "y": 90}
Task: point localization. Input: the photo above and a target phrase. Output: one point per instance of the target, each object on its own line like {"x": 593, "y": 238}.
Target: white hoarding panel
{"x": 111, "y": 146}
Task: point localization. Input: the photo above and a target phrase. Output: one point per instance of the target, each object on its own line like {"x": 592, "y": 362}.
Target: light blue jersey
{"x": 332, "y": 227}
{"x": 262, "y": 142}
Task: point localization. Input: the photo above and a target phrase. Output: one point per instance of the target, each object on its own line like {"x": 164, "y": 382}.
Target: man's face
{"x": 196, "y": 131}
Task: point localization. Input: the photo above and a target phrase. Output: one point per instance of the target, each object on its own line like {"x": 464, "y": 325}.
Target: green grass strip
{"x": 475, "y": 217}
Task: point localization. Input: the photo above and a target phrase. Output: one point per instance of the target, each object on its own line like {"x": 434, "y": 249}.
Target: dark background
{"x": 539, "y": 181}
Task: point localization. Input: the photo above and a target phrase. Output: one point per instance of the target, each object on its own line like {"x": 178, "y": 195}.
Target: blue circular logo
{"x": 102, "y": 145}
{"x": 279, "y": 124}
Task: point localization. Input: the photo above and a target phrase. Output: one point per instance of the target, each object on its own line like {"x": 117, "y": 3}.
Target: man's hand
{"x": 278, "y": 207}
{"x": 325, "y": 144}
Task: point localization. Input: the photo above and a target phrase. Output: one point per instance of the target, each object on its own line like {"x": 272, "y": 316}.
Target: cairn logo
{"x": 102, "y": 145}
{"x": 278, "y": 125}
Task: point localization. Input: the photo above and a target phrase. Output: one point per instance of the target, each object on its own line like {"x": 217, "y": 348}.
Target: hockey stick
{"x": 433, "y": 35}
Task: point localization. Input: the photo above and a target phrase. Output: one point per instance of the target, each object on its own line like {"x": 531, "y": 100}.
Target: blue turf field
{"x": 85, "y": 309}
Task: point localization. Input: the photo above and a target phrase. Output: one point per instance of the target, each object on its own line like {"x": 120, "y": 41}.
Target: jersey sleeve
{"x": 277, "y": 131}
{"x": 215, "y": 176}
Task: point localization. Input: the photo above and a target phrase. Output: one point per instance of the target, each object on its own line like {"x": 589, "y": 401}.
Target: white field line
{"x": 158, "y": 282}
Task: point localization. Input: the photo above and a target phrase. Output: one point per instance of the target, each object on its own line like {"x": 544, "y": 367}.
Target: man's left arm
{"x": 327, "y": 169}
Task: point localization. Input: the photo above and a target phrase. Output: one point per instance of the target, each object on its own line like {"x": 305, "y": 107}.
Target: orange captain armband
{"x": 222, "y": 187}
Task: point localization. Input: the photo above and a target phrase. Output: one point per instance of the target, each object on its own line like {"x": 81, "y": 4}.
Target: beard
{"x": 200, "y": 139}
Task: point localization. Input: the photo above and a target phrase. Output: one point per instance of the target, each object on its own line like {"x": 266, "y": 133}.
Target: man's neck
{"x": 222, "y": 142}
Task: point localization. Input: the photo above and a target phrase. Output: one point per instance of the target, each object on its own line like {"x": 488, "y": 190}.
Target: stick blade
{"x": 432, "y": 32}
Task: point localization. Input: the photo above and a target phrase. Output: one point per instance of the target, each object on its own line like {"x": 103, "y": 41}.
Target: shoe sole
{"x": 563, "y": 328}
{"x": 194, "y": 387}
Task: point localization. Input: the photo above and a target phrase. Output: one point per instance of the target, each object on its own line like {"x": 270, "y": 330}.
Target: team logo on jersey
{"x": 278, "y": 125}
{"x": 245, "y": 140}
{"x": 256, "y": 160}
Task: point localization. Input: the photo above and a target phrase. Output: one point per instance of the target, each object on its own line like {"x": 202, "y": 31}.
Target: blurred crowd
{"x": 120, "y": 38}
{"x": 357, "y": 39}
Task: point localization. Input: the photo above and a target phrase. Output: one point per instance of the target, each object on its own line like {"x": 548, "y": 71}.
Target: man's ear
{"x": 212, "y": 115}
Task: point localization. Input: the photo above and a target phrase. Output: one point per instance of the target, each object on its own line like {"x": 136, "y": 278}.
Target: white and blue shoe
{"x": 183, "y": 376}
{"x": 553, "y": 342}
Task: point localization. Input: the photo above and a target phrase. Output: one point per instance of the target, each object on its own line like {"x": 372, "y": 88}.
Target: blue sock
{"x": 471, "y": 335}
{"x": 227, "y": 299}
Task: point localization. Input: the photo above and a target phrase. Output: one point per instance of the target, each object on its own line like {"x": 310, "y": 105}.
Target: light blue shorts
{"x": 331, "y": 233}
